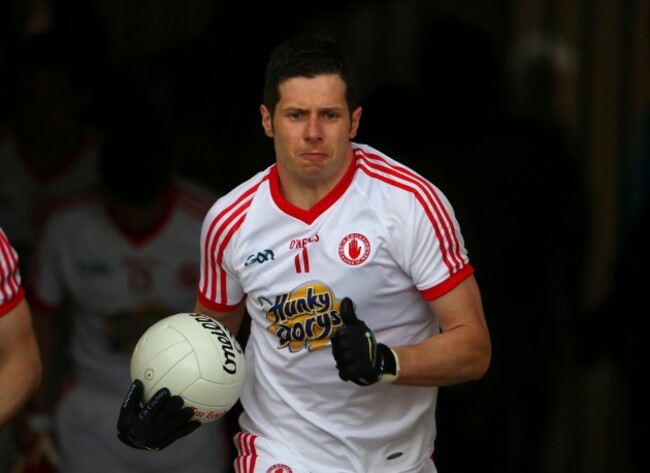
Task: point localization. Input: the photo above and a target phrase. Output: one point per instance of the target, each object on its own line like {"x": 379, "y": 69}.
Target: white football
{"x": 195, "y": 357}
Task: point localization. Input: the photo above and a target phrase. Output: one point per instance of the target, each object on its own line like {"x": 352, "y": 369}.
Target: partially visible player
{"x": 20, "y": 362}
{"x": 47, "y": 148}
{"x": 358, "y": 284}
{"x": 115, "y": 262}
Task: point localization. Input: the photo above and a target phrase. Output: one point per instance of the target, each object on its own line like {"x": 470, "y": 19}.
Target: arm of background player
{"x": 461, "y": 352}
{"x": 44, "y": 319}
{"x": 20, "y": 362}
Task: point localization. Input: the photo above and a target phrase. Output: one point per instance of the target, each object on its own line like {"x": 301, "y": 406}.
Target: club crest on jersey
{"x": 279, "y": 469}
{"x": 354, "y": 249}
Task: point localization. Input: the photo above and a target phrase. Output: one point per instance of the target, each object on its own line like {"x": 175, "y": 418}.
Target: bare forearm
{"x": 20, "y": 362}
{"x": 19, "y": 381}
{"x": 462, "y": 352}
{"x": 453, "y": 357}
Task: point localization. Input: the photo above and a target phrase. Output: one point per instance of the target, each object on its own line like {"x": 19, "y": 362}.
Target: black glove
{"x": 359, "y": 358}
{"x": 160, "y": 422}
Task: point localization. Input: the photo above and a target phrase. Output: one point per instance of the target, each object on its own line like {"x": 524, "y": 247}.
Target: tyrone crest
{"x": 279, "y": 469}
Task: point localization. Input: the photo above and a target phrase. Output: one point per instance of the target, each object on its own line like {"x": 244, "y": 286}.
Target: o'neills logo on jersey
{"x": 354, "y": 249}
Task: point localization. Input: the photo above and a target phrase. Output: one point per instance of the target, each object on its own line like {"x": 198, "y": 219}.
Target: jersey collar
{"x": 308, "y": 216}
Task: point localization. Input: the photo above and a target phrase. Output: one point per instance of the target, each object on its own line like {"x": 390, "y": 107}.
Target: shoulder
{"x": 380, "y": 175}
{"x": 8, "y": 256}
{"x": 73, "y": 207}
{"x": 247, "y": 190}
{"x": 194, "y": 195}
{"x": 381, "y": 168}
{"x": 232, "y": 209}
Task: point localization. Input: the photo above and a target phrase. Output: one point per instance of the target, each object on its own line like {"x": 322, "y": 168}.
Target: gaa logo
{"x": 260, "y": 257}
{"x": 354, "y": 249}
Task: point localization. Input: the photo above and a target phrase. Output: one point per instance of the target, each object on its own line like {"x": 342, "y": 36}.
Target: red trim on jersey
{"x": 8, "y": 306}
{"x": 221, "y": 281}
{"x": 139, "y": 239}
{"x": 67, "y": 160}
{"x": 448, "y": 284}
{"x": 214, "y": 306}
{"x": 308, "y": 216}
{"x": 11, "y": 290}
{"x": 246, "y": 452}
{"x": 193, "y": 202}
{"x": 67, "y": 201}
{"x": 221, "y": 229}
{"x": 425, "y": 193}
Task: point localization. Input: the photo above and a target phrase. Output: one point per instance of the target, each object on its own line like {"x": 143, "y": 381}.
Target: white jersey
{"x": 11, "y": 289}
{"x": 385, "y": 237}
{"x": 25, "y": 191}
{"x": 117, "y": 285}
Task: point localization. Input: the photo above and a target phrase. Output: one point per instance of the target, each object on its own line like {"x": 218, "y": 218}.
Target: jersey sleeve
{"x": 426, "y": 240}
{"x": 439, "y": 259}
{"x": 219, "y": 289}
{"x": 219, "y": 286}
{"x": 11, "y": 290}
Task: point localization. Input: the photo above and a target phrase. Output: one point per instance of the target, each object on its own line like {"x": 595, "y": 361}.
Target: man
{"x": 20, "y": 362}
{"x": 48, "y": 149}
{"x": 115, "y": 261}
{"x": 334, "y": 243}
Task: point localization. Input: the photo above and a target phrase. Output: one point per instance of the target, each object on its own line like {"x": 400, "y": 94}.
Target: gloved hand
{"x": 160, "y": 422}
{"x": 359, "y": 358}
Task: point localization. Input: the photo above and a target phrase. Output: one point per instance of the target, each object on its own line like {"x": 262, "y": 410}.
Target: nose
{"x": 313, "y": 130}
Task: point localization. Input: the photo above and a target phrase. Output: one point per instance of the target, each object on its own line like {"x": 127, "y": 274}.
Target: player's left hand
{"x": 160, "y": 422}
{"x": 359, "y": 358}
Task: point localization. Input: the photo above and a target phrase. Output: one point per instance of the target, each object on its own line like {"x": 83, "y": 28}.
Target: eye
{"x": 295, "y": 115}
{"x": 329, "y": 115}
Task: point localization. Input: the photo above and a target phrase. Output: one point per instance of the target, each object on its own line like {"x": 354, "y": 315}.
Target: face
{"x": 50, "y": 107}
{"x": 311, "y": 129}
{"x": 138, "y": 219}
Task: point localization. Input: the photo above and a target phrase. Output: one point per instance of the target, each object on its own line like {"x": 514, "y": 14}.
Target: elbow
{"x": 35, "y": 371}
{"x": 482, "y": 363}
{"x": 479, "y": 361}
{"x": 37, "y": 378}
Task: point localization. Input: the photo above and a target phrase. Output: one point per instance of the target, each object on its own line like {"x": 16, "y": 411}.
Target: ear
{"x": 354, "y": 125}
{"x": 267, "y": 121}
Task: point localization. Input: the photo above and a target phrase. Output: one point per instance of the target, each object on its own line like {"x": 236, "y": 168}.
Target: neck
{"x": 306, "y": 191}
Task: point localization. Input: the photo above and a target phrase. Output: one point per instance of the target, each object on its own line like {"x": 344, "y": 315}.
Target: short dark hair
{"x": 308, "y": 56}
{"x": 135, "y": 164}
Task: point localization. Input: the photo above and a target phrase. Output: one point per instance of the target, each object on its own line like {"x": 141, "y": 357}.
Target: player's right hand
{"x": 158, "y": 423}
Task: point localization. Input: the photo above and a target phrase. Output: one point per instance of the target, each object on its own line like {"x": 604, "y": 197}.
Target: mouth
{"x": 314, "y": 156}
